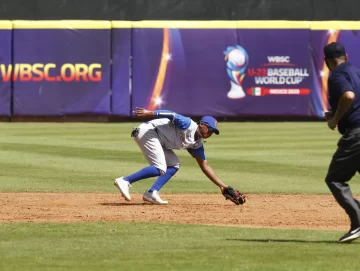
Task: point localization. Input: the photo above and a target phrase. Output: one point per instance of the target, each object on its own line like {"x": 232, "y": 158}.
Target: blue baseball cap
{"x": 211, "y": 122}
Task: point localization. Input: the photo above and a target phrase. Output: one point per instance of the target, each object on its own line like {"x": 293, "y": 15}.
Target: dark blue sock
{"x": 144, "y": 173}
{"x": 162, "y": 180}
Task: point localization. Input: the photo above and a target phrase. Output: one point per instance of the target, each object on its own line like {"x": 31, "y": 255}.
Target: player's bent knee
{"x": 161, "y": 170}
{"x": 329, "y": 181}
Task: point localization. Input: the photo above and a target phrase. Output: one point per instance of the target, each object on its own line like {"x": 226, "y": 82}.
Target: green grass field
{"x": 255, "y": 157}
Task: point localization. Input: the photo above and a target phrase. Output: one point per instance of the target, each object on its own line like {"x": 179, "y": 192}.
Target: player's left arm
{"x": 227, "y": 191}
{"x": 199, "y": 155}
{"x": 210, "y": 173}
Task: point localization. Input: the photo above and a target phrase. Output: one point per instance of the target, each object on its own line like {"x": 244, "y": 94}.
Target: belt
{"x": 353, "y": 127}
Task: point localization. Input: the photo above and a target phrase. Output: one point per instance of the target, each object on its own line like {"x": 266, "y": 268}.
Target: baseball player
{"x": 158, "y": 138}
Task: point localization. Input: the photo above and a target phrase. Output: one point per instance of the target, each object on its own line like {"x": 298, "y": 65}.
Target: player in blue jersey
{"x": 157, "y": 139}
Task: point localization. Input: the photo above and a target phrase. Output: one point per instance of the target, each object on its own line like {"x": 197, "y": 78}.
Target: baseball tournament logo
{"x": 236, "y": 62}
{"x": 276, "y": 76}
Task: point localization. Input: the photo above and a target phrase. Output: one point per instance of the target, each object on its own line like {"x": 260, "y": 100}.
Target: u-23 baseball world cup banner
{"x": 223, "y": 69}
{"x": 5, "y": 60}
{"x": 60, "y": 67}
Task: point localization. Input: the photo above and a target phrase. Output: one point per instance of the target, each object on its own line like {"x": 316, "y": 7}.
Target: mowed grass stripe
{"x": 165, "y": 246}
{"x": 67, "y": 151}
{"x": 256, "y": 157}
{"x": 251, "y": 158}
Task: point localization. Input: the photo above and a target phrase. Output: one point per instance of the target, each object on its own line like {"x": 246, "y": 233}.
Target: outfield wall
{"x": 220, "y": 68}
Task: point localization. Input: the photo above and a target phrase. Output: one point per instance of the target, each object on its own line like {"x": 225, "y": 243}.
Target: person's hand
{"x": 142, "y": 112}
{"x": 332, "y": 124}
{"x": 223, "y": 188}
{"x": 234, "y": 195}
{"x": 328, "y": 115}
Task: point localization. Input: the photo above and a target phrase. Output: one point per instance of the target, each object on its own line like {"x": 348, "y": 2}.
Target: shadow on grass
{"x": 292, "y": 241}
{"x": 123, "y": 203}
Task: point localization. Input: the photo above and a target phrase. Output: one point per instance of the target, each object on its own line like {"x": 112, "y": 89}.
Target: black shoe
{"x": 350, "y": 236}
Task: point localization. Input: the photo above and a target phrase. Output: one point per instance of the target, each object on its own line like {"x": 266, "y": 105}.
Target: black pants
{"x": 344, "y": 165}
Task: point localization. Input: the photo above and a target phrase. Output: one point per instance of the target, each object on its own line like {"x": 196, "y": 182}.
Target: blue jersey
{"x": 178, "y": 132}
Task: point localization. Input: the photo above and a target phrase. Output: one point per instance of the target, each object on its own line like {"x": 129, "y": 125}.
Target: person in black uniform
{"x": 344, "y": 100}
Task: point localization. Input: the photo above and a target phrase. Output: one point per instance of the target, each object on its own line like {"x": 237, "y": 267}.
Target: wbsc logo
{"x": 68, "y": 72}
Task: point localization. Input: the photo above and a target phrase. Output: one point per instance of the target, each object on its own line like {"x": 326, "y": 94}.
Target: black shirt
{"x": 345, "y": 77}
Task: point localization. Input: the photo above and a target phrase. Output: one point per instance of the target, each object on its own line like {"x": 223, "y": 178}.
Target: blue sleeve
{"x": 179, "y": 120}
{"x": 339, "y": 83}
{"x": 199, "y": 152}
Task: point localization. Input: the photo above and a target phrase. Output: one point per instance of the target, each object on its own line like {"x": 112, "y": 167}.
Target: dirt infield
{"x": 276, "y": 211}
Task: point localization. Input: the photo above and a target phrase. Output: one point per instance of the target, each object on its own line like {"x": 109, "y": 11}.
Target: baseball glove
{"x": 234, "y": 195}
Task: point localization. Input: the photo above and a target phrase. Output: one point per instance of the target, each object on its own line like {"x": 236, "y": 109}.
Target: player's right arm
{"x": 342, "y": 86}
{"x": 328, "y": 115}
{"x": 179, "y": 120}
